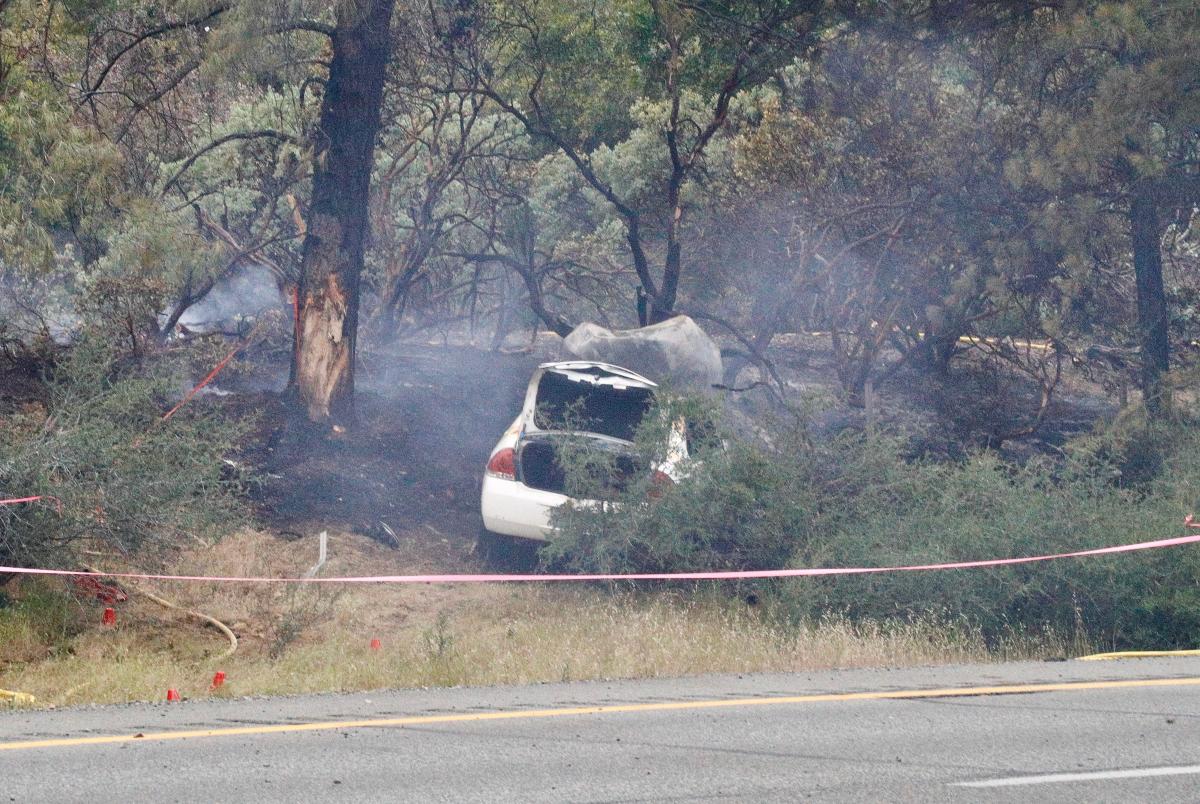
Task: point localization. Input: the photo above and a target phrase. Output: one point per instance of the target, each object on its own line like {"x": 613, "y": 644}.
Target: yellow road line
{"x": 1137, "y": 654}
{"x": 670, "y": 706}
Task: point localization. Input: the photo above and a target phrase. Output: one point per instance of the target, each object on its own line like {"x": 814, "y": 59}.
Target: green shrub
{"x": 729, "y": 512}
{"x": 116, "y": 478}
{"x": 861, "y": 500}
{"x": 984, "y": 509}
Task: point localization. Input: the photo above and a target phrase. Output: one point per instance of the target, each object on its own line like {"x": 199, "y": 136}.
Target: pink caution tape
{"x": 644, "y": 576}
{"x": 36, "y": 498}
{"x": 16, "y": 500}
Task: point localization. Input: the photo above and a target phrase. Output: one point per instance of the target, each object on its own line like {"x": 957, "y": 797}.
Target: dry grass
{"x": 316, "y": 640}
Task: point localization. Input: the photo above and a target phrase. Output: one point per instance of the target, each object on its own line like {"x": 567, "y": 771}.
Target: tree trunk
{"x": 662, "y": 306}
{"x": 337, "y": 222}
{"x": 1151, "y": 301}
{"x": 537, "y": 304}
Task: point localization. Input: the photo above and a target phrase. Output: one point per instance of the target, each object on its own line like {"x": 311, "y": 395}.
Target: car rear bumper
{"x": 511, "y": 508}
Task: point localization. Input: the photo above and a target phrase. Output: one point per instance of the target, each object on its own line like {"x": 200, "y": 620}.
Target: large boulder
{"x": 676, "y": 352}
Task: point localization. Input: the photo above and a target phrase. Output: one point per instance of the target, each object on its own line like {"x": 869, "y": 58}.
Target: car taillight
{"x": 503, "y": 464}
{"x": 660, "y": 481}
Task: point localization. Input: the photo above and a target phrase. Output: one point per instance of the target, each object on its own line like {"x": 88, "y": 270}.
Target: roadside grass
{"x": 315, "y": 640}
{"x": 41, "y": 620}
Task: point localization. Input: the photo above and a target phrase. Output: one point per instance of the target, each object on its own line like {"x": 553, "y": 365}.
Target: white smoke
{"x": 244, "y": 294}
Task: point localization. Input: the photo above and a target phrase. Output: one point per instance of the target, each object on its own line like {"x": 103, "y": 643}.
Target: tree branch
{"x": 315, "y": 26}
{"x": 152, "y": 33}
{"x": 240, "y": 135}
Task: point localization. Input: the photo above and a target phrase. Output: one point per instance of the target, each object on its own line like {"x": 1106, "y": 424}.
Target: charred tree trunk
{"x": 337, "y": 223}
{"x": 1151, "y": 301}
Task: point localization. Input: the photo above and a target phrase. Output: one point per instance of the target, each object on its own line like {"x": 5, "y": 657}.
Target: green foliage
{"x": 53, "y": 176}
{"x": 871, "y": 173}
{"x": 861, "y": 501}
{"x": 243, "y": 181}
{"x": 149, "y": 259}
{"x": 567, "y": 41}
{"x": 985, "y": 509}
{"x": 115, "y": 477}
{"x": 732, "y": 509}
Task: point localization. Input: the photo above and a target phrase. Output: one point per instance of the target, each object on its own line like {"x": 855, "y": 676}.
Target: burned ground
{"x": 428, "y": 417}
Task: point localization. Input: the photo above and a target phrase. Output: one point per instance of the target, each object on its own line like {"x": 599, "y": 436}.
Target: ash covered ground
{"x": 427, "y": 418}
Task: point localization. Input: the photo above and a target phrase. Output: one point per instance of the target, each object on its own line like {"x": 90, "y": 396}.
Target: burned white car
{"x": 602, "y": 403}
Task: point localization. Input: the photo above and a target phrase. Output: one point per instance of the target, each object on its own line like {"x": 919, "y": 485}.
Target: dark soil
{"x": 427, "y": 419}
{"x": 20, "y": 386}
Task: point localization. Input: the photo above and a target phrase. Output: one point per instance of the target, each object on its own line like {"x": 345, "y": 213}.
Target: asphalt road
{"x": 1096, "y": 731}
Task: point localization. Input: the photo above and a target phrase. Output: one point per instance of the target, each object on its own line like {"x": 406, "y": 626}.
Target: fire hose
{"x": 213, "y": 621}
{"x": 17, "y": 697}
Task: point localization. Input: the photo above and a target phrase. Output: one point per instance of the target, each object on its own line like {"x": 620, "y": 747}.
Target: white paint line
{"x": 1089, "y": 776}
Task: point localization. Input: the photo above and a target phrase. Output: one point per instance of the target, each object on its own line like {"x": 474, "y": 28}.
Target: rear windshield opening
{"x": 564, "y": 404}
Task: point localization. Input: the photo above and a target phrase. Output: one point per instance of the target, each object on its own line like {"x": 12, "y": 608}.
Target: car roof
{"x": 598, "y": 373}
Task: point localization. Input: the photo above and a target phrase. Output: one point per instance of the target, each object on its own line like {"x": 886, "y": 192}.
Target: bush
{"x": 730, "y": 512}
{"x": 860, "y": 500}
{"x": 983, "y": 509}
{"x": 115, "y": 476}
